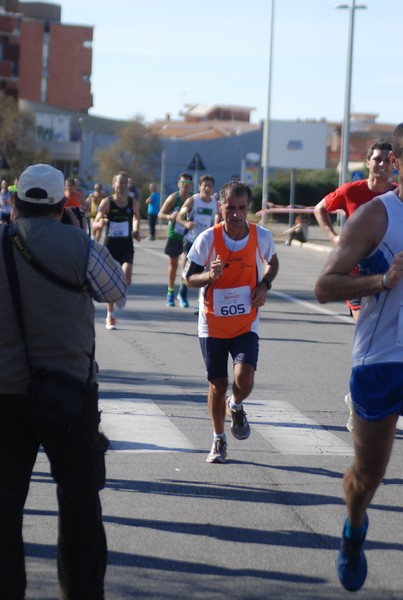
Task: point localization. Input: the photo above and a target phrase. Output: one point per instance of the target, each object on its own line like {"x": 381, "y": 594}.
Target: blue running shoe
{"x": 183, "y": 303}
{"x": 170, "y": 299}
{"x": 351, "y": 562}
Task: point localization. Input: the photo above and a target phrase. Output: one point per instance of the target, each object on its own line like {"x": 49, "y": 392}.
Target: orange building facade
{"x": 43, "y": 60}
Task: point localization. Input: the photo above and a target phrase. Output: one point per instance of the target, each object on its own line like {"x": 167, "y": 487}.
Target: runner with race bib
{"x": 234, "y": 262}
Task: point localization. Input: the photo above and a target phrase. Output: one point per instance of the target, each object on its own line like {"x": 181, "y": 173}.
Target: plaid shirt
{"x": 105, "y": 276}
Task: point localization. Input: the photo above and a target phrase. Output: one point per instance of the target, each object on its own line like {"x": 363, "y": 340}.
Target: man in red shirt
{"x": 350, "y": 196}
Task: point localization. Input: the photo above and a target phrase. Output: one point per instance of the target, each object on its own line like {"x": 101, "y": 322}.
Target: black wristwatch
{"x": 267, "y": 283}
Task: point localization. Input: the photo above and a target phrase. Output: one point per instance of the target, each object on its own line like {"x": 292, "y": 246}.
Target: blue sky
{"x": 150, "y": 57}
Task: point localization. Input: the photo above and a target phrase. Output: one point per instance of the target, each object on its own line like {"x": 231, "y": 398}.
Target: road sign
{"x": 357, "y": 175}
{"x": 196, "y": 164}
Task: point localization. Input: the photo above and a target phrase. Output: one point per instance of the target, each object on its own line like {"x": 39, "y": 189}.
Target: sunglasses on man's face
{"x": 186, "y": 181}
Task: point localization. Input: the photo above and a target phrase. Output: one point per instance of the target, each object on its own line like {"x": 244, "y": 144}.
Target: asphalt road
{"x": 265, "y": 525}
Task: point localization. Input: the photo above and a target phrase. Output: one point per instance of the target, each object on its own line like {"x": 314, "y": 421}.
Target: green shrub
{"x": 310, "y": 188}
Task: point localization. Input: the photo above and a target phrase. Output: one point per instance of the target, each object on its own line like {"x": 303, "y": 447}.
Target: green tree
{"x": 18, "y": 137}
{"x": 136, "y": 151}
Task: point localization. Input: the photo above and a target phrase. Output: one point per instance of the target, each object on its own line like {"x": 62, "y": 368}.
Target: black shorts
{"x": 299, "y": 236}
{"x": 122, "y": 249}
{"x": 186, "y": 246}
{"x": 243, "y": 349}
{"x": 174, "y": 247}
{"x": 5, "y": 216}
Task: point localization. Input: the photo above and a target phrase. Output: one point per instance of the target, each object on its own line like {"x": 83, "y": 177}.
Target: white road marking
{"x": 139, "y": 425}
{"x": 311, "y": 306}
{"x": 291, "y": 432}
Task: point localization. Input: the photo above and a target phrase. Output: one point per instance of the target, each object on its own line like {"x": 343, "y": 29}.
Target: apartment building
{"x": 43, "y": 60}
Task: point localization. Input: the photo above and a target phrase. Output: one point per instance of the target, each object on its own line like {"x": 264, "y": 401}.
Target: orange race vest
{"x": 227, "y": 302}
{"x": 74, "y": 200}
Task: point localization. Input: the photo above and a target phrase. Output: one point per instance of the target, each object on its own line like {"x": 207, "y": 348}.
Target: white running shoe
{"x": 110, "y": 322}
{"x": 218, "y": 452}
{"x": 349, "y": 405}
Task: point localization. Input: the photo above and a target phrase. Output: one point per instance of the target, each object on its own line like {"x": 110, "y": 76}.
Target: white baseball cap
{"x": 41, "y": 184}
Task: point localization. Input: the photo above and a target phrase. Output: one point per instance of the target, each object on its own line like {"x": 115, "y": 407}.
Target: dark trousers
{"x": 152, "y": 221}
{"x": 78, "y": 466}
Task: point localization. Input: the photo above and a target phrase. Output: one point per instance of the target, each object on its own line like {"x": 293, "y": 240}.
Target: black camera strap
{"x": 25, "y": 252}
{"x": 11, "y": 270}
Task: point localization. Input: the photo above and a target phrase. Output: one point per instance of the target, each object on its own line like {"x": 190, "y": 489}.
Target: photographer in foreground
{"x": 53, "y": 333}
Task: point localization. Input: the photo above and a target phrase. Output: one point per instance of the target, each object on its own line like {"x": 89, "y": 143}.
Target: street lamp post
{"x": 81, "y": 122}
{"x": 164, "y": 156}
{"x": 266, "y": 134}
{"x": 347, "y": 99}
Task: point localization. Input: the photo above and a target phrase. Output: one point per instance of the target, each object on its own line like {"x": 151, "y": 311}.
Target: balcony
{"x": 7, "y": 70}
{"x": 9, "y": 27}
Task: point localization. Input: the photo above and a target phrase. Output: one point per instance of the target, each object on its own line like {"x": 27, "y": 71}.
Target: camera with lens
{"x": 77, "y": 213}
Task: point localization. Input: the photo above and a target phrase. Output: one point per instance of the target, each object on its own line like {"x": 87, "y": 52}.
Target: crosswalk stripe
{"x": 291, "y": 432}
{"x": 139, "y": 425}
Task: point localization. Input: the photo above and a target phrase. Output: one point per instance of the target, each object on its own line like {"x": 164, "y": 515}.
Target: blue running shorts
{"x": 377, "y": 390}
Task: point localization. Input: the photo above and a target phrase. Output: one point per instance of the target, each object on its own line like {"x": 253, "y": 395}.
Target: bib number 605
{"x": 232, "y": 310}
